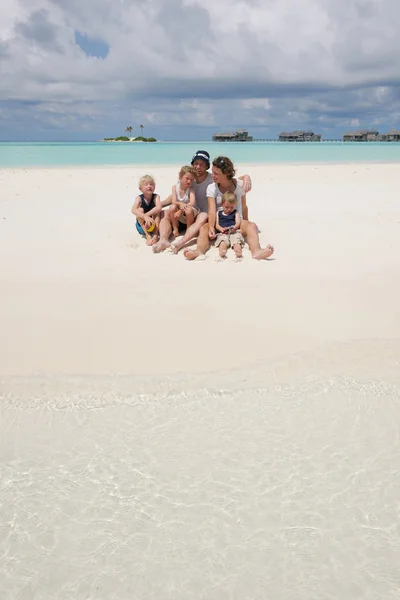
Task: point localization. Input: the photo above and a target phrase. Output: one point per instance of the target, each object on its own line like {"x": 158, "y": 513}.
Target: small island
{"x": 125, "y": 138}
{"x": 128, "y": 138}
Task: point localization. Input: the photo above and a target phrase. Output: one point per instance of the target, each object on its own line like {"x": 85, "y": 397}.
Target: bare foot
{"x": 175, "y": 233}
{"x": 174, "y": 248}
{"x": 161, "y": 246}
{"x": 238, "y": 252}
{"x": 263, "y": 253}
{"x": 149, "y": 241}
{"x": 220, "y": 258}
{"x": 191, "y": 254}
{"x": 154, "y": 240}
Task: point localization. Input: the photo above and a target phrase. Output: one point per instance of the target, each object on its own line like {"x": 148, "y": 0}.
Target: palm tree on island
{"x": 129, "y": 130}
{"x": 141, "y": 129}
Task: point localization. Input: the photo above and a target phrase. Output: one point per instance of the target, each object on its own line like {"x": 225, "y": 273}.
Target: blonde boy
{"x": 228, "y": 223}
{"x": 147, "y": 208}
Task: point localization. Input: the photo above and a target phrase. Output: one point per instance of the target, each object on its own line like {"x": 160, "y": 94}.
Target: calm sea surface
{"x": 275, "y": 481}
{"x": 60, "y": 154}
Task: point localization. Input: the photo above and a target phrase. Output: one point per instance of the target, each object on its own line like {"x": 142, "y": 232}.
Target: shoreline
{"x": 252, "y": 164}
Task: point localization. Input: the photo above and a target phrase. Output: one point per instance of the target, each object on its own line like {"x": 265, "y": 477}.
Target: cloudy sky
{"x": 86, "y": 69}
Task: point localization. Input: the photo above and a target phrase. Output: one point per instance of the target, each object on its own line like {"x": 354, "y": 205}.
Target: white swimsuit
{"x": 185, "y": 198}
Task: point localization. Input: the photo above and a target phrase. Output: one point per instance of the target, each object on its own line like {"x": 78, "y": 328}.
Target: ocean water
{"x": 59, "y": 154}
{"x": 271, "y": 481}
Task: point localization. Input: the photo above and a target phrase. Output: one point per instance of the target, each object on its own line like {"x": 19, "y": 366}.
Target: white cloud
{"x": 250, "y": 103}
{"x": 201, "y": 61}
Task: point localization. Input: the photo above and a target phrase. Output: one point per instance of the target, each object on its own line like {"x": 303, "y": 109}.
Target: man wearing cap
{"x": 200, "y": 163}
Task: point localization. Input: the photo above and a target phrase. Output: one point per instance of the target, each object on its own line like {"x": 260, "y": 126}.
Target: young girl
{"x": 228, "y": 223}
{"x": 183, "y": 209}
{"x": 147, "y": 208}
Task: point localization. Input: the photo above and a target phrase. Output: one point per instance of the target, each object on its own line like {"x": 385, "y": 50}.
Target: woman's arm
{"x": 245, "y": 210}
{"x": 212, "y": 210}
{"x": 246, "y": 182}
{"x": 238, "y": 221}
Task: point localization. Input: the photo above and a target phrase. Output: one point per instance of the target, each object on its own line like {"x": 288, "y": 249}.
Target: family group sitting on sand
{"x": 209, "y": 206}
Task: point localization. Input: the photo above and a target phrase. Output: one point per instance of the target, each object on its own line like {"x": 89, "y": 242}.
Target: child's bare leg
{"x": 154, "y": 239}
{"x": 164, "y": 232}
{"x": 223, "y": 248}
{"x": 175, "y": 226}
{"x": 148, "y": 236}
{"x": 146, "y": 233}
{"x": 189, "y": 217}
{"x": 174, "y": 221}
{"x": 237, "y": 248}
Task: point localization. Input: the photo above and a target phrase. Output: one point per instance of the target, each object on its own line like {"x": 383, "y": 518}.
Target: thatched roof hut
{"x": 241, "y": 135}
{"x": 299, "y": 136}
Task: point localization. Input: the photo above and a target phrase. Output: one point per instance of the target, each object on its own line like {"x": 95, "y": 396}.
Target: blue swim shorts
{"x": 139, "y": 228}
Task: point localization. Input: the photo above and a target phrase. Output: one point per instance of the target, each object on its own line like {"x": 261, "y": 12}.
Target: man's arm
{"x": 167, "y": 201}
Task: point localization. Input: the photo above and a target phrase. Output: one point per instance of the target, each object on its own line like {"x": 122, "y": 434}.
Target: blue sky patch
{"x": 91, "y": 46}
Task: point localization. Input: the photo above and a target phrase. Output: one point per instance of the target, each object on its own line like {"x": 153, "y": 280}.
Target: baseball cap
{"x": 202, "y": 155}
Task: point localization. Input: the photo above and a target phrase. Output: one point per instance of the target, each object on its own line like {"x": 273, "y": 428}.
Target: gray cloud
{"x": 4, "y": 53}
{"x": 190, "y": 62}
{"x": 39, "y": 29}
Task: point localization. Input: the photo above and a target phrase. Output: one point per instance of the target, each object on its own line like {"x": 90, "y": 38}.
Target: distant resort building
{"x": 299, "y": 136}
{"x": 392, "y": 136}
{"x": 361, "y": 135}
{"x": 236, "y": 136}
{"x": 371, "y": 135}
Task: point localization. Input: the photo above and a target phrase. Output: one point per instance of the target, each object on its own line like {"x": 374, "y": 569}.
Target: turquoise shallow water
{"x": 277, "y": 480}
{"x": 60, "y": 154}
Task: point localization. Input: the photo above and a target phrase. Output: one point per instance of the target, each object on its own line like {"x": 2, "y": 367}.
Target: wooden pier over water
{"x": 289, "y": 142}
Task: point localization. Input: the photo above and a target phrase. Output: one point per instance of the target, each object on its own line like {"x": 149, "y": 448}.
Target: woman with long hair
{"x": 223, "y": 173}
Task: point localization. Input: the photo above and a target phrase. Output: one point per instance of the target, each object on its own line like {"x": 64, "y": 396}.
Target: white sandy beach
{"x": 180, "y": 430}
{"x": 81, "y": 293}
